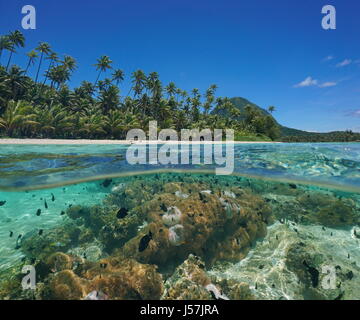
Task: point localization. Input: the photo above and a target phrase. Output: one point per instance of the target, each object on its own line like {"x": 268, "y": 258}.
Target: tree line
{"x": 46, "y": 107}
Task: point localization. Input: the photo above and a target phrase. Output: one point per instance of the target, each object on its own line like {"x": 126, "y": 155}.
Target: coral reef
{"x": 182, "y": 236}
{"x": 111, "y": 278}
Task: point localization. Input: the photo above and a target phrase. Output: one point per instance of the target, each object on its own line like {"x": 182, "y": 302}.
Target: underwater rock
{"x": 104, "y": 223}
{"x": 208, "y": 228}
{"x": 121, "y": 279}
{"x": 188, "y": 282}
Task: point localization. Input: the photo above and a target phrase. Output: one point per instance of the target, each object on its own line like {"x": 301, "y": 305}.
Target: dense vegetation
{"x": 335, "y": 136}
{"x": 46, "y": 107}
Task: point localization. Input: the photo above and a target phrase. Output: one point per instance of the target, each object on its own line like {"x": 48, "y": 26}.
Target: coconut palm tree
{"x": 113, "y": 124}
{"x": 118, "y": 76}
{"x": 109, "y": 98}
{"x": 53, "y": 58}
{"x": 15, "y": 80}
{"x": 5, "y": 44}
{"x": 170, "y": 89}
{"x": 103, "y": 63}
{"x": 138, "y": 80}
{"x": 17, "y": 116}
{"x": 32, "y": 55}
{"x": 44, "y": 48}
{"x": 53, "y": 121}
{"x": 16, "y": 39}
{"x": 70, "y": 63}
{"x": 58, "y": 75}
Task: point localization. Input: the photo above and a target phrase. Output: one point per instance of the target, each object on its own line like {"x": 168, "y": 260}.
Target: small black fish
{"x": 41, "y": 232}
{"x": 122, "y": 213}
{"x": 52, "y": 197}
{"x": 144, "y": 242}
{"x": 163, "y": 207}
{"x": 11, "y": 234}
{"x": 45, "y": 204}
{"x": 38, "y": 212}
{"x": 292, "y": 185}
{"x": 106, "y": 183}
{"x": 17, "y": 242}
{"x": 2, "y": 203}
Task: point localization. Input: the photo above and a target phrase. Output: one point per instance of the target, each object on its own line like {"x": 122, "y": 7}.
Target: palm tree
{"x": 138, "y": 80}
{"x": 109, "y": 98}
{"x": 103, "y": 63}
{"x": 17, "y": 116}
{"x": 53, "y": 121}
{"x": 113, "y": 123}
{"x": 32, "y": 55}
{"x": 52, "y": 57}
{"x": 15, "y": 80}
{"x": 271, "y": 109}
{"x": 16, "y": 39}
{"x": 44, "y": 48}
{"x": 118, "y": 76}
{"x": 5, "y": 44}
{"x": 170, "y": 89}
{"x": 58, "y": 75}
{"x": 70, "y": 63}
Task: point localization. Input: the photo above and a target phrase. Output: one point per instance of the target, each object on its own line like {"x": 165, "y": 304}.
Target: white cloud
{"x": 328, "y": 58}
{"x": 327, "y": 84}
{"x": 309, "y": 81}
{"x": 344, "y": 63}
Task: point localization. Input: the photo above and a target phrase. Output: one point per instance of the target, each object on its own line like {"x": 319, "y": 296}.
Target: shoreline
{"x": 109, "y": 142}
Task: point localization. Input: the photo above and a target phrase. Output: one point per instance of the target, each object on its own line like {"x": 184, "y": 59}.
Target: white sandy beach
{"x": 84, "y": 141}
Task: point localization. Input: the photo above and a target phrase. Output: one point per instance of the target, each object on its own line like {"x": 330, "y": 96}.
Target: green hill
{"x": 290, "y": 134}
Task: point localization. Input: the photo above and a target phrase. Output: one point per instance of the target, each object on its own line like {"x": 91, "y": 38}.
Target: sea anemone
{"x": 172, "y": 216}
{"x": 176, "y": 235}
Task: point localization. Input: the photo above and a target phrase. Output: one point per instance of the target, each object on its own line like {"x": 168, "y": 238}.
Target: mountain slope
{"x": 240, "y": 103}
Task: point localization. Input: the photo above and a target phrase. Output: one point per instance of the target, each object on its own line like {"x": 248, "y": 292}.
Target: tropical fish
{"x": 11, "y": 234}
{"x": 106, "y": 183}
{"x": 144, "y": 241}
{"x": 122, "y": 213}
{"x": 45, "y": 204}
{"x": 52, "y": 197}
{"x": 62, "y": 213}
{"x": 2, "y": 203}
{"x": 38, "y": 212}
{"x": 41, "y": 232}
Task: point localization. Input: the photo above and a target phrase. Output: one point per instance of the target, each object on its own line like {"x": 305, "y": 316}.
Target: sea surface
{"x": 284, "y": 225}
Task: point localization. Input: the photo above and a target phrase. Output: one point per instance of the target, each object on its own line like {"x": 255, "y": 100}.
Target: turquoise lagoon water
{"x": 309, "y": 195}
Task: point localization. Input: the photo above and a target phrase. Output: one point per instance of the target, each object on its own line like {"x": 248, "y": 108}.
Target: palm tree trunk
{"x": 37, "y": 74}
{"x": 97, "y": 79}
{"x": 50, "y": 65}
{"x": 7, "y": 67}
{"x": 27, "y": 67}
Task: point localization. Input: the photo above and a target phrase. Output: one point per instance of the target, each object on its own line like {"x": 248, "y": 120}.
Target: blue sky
{"x": 270, "y": 52}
